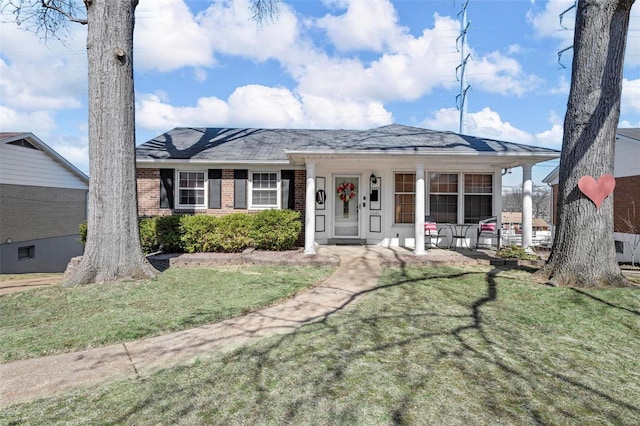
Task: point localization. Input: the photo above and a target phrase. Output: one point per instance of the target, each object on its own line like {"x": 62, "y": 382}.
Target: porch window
{"x": 264, "y": 190}
{"x": 405, "y": 197}
{"x": 443, "y": 197}
{"x": 191, "y": 189}
{"x": 478, "y": 197}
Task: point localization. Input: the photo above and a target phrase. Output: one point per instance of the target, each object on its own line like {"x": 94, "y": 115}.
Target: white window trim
{"x": 252, "y": 206}
{"x": 177, "y": 190}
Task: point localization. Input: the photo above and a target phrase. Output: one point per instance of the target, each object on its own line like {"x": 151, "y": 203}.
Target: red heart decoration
{"x": 597, "y": 190}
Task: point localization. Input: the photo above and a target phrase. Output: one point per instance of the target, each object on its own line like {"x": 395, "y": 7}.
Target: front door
{"x": 346, "y": 206}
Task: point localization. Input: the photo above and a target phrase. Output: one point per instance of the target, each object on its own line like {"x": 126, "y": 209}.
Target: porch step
{"x": 346, "y": 242}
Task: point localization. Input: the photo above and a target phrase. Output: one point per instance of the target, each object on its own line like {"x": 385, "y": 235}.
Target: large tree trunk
{"x": 113, "y": 251}
{"x": 583, "y": 252}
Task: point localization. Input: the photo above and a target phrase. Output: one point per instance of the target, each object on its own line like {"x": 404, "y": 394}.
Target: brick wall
{"x": 35, "y": 212}
{"x": 626, "y": 205}
{"x": 148, "y": 181}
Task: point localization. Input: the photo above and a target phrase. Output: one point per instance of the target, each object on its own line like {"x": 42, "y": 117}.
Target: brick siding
{"x": 148, "y": 181}
{"x": 626, "y": 205}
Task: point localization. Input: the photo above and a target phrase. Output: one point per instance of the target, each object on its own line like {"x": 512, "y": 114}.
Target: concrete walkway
{"x": 359, "y": 271}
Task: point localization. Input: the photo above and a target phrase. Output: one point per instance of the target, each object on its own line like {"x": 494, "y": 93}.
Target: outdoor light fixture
{"x": 373, "y": 179}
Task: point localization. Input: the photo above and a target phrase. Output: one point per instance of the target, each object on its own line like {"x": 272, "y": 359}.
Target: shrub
{"x": 168, "y": 233}
{"x": 276, "y": 229}
{"x": 233, "y": 233}
{"x": 149, "y": 235}
{"x": 198, "y": 233}
{"x": 82, "y": 230}
{"x": 516, "y": 252}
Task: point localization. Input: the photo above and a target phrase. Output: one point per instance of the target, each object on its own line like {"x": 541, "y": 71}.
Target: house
{"x": 626, "y": 195}
{"x": 512, "y": 230}
{"x": 512, "y": 221}
{"x": 364, "y": 186}
{"x": 43, "y": 200}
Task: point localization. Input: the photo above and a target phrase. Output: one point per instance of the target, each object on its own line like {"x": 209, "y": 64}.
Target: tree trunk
{"x": 583, "y": 252}
{"x": 113, "y": 251}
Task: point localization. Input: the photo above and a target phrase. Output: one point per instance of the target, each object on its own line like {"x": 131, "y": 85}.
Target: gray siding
{"x": 34, "y": 212}
{"x": 49, "y": 255}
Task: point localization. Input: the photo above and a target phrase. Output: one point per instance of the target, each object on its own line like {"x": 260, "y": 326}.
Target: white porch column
{"x": 419, "y": 220}
{"x": 527, "y": 206}
{"x": 310, "y": 210}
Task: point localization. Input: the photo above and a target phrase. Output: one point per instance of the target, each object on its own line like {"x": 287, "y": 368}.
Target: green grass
{"x": 429, "y": 346}
{"x": 53, "y": 320}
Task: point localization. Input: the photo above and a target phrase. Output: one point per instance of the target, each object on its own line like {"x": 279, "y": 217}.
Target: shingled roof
{"x": 228, "y": 144}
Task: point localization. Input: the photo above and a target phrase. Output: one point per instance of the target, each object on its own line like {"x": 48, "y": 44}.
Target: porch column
{"x": 527, "y": 206}
{"x": 419, "y": 220}
{"x": 310, "y": 210}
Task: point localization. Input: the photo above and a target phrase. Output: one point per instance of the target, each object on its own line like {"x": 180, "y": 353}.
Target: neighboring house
{"x": 512, "y": 221}
{"x": 626, "y": 195}
{"x": 364, "y": 186}
{"x": 512, "y": 230}
{"x": 43, "y": 200}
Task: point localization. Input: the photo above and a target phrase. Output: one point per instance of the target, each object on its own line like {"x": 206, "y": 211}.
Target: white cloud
{"x": 366, "y": 25}
{"x": 168, "y": 37}
{"x": 496, "y": 73}
{"x": 51, "y": 76}
{"x": 487, "y": 123}
{"x": 261, "y": 106}
{"x": 36, "y": 122}
{"x": 630, "y": 100}
{"x": 562, "y": 87}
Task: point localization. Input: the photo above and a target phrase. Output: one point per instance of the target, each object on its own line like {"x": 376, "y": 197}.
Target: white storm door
{"x": 346, "y": 209}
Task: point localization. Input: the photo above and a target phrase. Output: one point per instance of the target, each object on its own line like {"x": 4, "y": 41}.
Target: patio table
{"x": 459, "y": 232}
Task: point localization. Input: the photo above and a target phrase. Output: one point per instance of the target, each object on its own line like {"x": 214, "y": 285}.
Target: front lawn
{"x": 54, "y": 320}
{"x": 429, "y": 346}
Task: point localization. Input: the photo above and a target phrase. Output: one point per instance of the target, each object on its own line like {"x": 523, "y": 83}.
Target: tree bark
{"x": 113, "y": 251}
{"x": 583, "y": 252}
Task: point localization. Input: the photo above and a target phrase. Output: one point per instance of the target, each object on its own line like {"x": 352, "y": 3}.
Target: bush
{"x": 198, "y": 233}
{"x": 516, "y": 252}
{"x": 266, "y": 230}
{"x": 149, "y": 235}
{"x": 276, "y": 229}
{"x": 168, "y": 233}
{"x": 233, "y": 233}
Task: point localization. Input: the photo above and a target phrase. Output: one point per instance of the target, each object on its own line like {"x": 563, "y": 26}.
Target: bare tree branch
{"x": 48, "y": 18}
{"x": 69, "y": 13}
{"x": 264, "y": 10}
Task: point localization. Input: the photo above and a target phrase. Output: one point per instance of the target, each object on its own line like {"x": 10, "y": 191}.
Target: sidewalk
{"x": 359, "y": 271}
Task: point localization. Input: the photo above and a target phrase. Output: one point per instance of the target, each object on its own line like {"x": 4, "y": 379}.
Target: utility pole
{"x": 461, "y": 99}
{"x": 561, "y": 16}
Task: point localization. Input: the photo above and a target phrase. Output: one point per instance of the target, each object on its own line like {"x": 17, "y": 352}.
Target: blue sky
{"x": 320, "y": 64}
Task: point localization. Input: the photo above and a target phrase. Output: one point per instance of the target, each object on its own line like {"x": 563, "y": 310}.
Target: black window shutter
{"x": 215, "y": 188}
{"x": 240, "y": 189}
{"x": 288, "y": 189}
{"x": 166, "y": 188}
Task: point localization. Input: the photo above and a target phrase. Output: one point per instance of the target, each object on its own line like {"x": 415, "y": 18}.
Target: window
{"x": 264, "y": 190}
{"x": 478, "y": 197}
{"x": 191, "y": 189}
{"x": 443, "y": 197}
{"x": 27, "y": 252}
{"x": 23, "y": 143}
{"x": 619, "y": 246}
{"x": 405, "y": 197}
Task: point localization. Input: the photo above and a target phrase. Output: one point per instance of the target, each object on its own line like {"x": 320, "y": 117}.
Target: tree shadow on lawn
{"x": 388, "y": 360}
